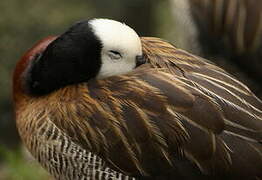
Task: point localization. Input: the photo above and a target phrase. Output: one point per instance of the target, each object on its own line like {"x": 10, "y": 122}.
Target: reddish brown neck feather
{"x": 39, "y": 47}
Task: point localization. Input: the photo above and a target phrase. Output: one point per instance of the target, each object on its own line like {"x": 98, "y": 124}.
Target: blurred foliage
{"x": 18, "y": 168}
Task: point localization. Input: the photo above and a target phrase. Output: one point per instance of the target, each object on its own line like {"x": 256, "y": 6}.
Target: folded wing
{"x": 177, "y": 115}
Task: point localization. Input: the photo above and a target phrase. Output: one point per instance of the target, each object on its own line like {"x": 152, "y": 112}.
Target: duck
{"x": 99, "y": 102}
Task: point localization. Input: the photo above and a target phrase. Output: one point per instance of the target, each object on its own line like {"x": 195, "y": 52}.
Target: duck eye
{"x": 115, "y": 55}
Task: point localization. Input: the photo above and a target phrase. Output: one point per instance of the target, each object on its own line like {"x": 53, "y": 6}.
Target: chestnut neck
{"x": 39, "y": 47}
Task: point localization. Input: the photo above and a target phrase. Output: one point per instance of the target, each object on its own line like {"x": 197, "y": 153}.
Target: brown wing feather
{"x": 181, "y": 114}
{"x": 242, "y": 111}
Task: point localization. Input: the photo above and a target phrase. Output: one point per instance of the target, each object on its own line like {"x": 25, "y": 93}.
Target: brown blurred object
{"x": 230, "y": 34}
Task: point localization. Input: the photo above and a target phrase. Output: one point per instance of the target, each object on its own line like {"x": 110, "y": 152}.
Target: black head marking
{"x": 73, "y": 57}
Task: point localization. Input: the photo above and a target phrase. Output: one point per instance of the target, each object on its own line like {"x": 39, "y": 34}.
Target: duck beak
{"x": 140, "y": 60}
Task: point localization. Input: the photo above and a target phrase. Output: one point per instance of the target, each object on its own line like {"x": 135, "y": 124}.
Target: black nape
{"x": 73, "y": 57}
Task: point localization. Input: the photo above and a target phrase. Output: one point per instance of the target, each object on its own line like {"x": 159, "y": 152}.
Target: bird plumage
{"x": 177, "y": 116}
{"x": 231, "y": 30}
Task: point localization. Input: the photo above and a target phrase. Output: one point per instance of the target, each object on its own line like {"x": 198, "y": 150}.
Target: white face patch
{"x": 121, "y": 45}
